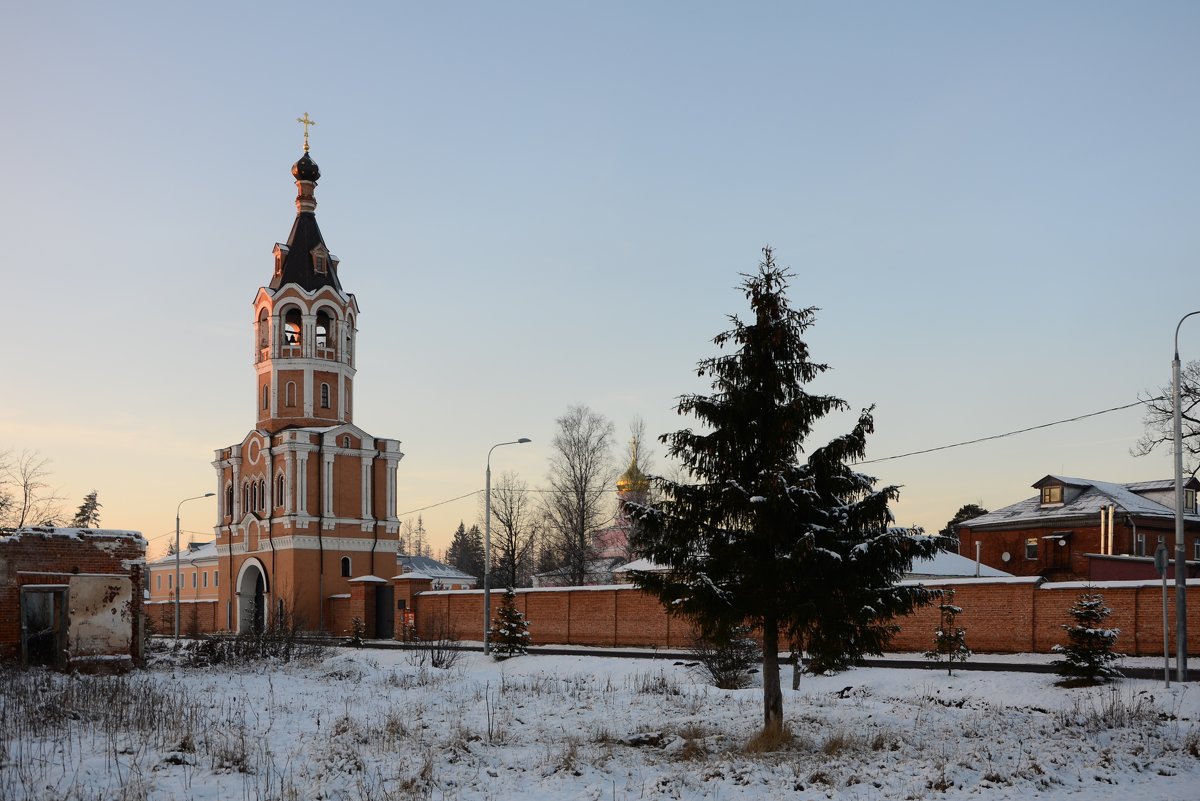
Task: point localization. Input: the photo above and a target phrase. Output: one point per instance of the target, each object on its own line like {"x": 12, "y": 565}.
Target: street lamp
{"x": 1180, "y": 551}
{"x": 178, "y": 588}
{"x": 487, "y": 544}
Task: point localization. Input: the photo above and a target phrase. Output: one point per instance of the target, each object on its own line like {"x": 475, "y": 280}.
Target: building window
{"x": 204, "y": 581}
{"x": 216, "y": 578}
{"x": 279, "y": 490}
{"x": 324, "y": 396}
{"x": 262, "y": 493}
{"x": 346, "y": 566}
{"x": 1031, "y": 548}
{"x": 266, "y": 395}
{"x": 170, "y": 581}
{"x": 1052, "y": 494}
{"x": 193, "y": 579}
{"x": 1139, "y": 544}
{"x": 1189, "y": 501}
{"x": 289, "y": 394}
{"x": 158, "y": 578}
{"x": 345, "y": 442}
{"x": 228, "y": 499}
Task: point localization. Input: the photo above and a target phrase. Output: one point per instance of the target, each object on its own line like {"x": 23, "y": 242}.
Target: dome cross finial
{"x": 306, "y": 121}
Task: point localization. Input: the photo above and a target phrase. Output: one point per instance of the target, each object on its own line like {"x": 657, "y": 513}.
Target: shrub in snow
{"x": 510, "y": 631}
{"x": 728, "y": 659}
{"x": 949, "y": 641}
{"x": 1088, "y": 655}
{"x": 358, "y": 630}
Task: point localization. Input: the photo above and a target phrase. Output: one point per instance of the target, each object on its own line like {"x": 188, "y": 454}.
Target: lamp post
{"x": 178, "y": 588}
{"x": 487, "y": 544}
{"x": 1180, "y": 551}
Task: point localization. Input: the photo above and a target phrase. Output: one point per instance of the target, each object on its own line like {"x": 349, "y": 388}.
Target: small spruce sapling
{"x": 358, "y": 630}
{"x": 510, "y": 630}
{"x": 949, "y": 641}
{"x": 1088, "y": 656}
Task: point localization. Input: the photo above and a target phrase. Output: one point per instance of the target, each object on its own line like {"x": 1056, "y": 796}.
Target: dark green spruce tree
{"x": 796, "y": 546}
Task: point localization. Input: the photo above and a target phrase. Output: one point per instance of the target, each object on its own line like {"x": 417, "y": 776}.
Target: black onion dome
{"x": 306, "y": 169}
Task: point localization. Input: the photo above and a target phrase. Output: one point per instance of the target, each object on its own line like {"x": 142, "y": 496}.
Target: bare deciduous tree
{"x": 581, "y": 479}
{"x": 514, "y": 530}
{"x": 26, "y": 497}
{"x": 1160, "y": 418}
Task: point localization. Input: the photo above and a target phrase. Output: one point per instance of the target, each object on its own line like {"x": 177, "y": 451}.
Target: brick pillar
{"x": 408, "y": 587}
{"x": 362, "y": 599}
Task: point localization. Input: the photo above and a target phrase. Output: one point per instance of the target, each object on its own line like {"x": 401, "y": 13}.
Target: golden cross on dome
{"x": 305, "y": 121}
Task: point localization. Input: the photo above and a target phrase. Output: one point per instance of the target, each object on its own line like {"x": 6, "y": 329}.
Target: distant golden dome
{"x": 633, "y": 479}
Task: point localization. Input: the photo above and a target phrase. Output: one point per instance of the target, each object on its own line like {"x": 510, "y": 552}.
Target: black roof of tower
{"x": 305, "y": 237}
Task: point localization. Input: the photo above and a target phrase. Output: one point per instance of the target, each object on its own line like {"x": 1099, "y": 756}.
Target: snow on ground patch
{"x": 385, "y": 725}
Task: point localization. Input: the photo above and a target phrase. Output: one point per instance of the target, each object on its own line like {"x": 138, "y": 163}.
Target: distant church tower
{"x": 307, "y": 500}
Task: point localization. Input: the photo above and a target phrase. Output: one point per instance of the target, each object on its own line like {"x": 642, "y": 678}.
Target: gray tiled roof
{"x": 432, "y": 568}
{"x": 1097, "y": 494}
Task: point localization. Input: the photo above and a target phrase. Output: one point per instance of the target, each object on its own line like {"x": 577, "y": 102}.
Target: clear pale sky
{"x": 539, "y": 204}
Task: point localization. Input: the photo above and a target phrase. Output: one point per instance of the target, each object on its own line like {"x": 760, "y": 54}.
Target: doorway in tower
{"x": 251, "y": 592}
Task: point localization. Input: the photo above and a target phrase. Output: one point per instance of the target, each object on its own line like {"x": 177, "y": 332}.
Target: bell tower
{"x": 304, "y": 325}
{"x": 307, "y": 499}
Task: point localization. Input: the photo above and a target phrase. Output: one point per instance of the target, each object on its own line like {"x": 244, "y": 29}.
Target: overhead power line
{"x": 1009, "y": 433}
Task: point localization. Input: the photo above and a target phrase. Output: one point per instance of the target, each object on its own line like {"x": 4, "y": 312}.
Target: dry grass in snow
{"x": 384, "y": 725}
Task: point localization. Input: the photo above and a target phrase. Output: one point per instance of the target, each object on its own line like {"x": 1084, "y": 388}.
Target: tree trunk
{"x": 772, "y": 694}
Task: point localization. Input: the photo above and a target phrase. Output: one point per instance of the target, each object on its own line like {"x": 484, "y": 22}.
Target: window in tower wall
{"x": 324, "y": 396}
{"x": 279, "y": 490}
{"x": 346, "y": 566}
{"x": 266, "y": 395}
{"x": 289, "y": 394}
{"x": 253, "y": 497}
{"x": 262, "y": 493}
{"x": 228, "y": 499}
{"x": 264, "y": 329}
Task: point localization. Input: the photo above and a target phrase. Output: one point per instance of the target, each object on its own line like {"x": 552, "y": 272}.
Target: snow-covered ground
{"x": 366, "y": 724}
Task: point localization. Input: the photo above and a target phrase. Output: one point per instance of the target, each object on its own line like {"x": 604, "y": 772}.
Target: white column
{"x": 302, "y": 483}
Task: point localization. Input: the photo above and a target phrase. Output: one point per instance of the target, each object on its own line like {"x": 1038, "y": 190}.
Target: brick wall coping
{"x": 62, "y": 573}
{"x": 969, "y": 581}
{"x": 73, "y": 533}
{"x": 520, "y": 590}
{"x": 367, "y": 580}
{"x": 185, "y": 601}
{"x": 44, "y": 586}
{"x": 340, "y": 595}
{"x": 1080, "y": 585}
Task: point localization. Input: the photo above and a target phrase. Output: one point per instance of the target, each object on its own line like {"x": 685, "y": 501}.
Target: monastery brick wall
{"x": 1003, "y": 616}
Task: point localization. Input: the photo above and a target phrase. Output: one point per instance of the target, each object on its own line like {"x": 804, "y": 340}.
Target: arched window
{"x": 266, "y": 393}
{"x": 279, "y": 490}
{"x": 291, "y": 327}
{"x": 289, "y": 394}
{"x": 253, "y": 497}
{"x": 324, "y": 330}
{"x": 229, "y": 499}
{"x": 346, "y": 441}
{"x": 324, "y": 396}
{"x": 346, "y": 566}
{"x": 245, "y": 497}
{"x": 264, "y": 329}
{"x": 262, "y": 493}
{"x": 346, "y": 402}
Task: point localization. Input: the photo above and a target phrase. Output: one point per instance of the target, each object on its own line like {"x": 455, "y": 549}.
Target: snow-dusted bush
{"x": 949, "y": 640}
{"x": 1088, "y": 656}
{"x": 510, "y": 631}
{"x": 728, "y": 659}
